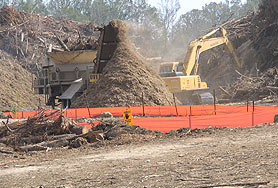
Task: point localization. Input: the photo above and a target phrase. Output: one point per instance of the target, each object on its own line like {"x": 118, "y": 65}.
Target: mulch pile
{"x": 125, "y": 79}
{"x": 255, "y": 37}
{"x": 16, "y": 86}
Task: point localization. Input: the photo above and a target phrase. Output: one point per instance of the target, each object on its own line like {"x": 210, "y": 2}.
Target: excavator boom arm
{"x": 230, "y": 48}
{"x": 205, "y": 43}
{"x": 194, "y": 50}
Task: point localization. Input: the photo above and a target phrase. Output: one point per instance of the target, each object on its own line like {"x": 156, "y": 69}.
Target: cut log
{"x": 94, "y": 136}
{"x": 78, "y": 142}
{"x": 55, "y": 143}
{"x": 275, "y": 89}
{"x": 225, "y": 91}
{"x": 63, "y": 44}
{"x": 57, "y": 49}
{"x": 79, "y": 129}
{"x": 236, "y": 184}
{"x": 6, "y": 152}
{"x": 32, "y": 148}
{"x": 63, "y": 136}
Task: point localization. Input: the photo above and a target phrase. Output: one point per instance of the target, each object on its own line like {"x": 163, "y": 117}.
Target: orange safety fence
{"x": 181, "y": 110}
{"x": 246, "y": 119}
{"x": 202, "y": 116}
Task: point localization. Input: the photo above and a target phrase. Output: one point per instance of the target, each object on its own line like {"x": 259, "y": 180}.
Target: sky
{"x": 187, "y": 5}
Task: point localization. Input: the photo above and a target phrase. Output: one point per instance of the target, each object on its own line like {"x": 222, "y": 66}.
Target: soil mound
{"x": 115, "y": 128}
{"x": 125, "y": 79}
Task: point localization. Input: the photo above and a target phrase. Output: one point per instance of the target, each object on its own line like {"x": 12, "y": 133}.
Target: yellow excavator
{"x": 182, "y": 79}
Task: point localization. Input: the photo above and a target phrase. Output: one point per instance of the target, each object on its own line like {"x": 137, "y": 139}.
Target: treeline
{"x": 159, "y": 28}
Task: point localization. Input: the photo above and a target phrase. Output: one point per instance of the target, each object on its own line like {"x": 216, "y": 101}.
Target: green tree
{"x": 32, "y": 6}
{"x": 66, "y": 8}
{"x": 252, "y": 5}
{"x": 168, "y": 10}
{"x": 6, "y": 2}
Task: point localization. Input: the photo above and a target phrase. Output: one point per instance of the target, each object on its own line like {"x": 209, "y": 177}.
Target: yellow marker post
{"x": 127, "y": 114}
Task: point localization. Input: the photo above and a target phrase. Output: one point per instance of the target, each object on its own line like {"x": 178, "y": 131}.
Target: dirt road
{"x": 208, "y": 158}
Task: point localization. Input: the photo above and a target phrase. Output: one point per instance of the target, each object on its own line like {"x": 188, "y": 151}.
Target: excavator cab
{"x": 171, "y": 69}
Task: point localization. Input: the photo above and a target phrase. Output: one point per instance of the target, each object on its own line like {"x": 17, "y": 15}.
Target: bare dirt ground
{"x": 204, "y": 158}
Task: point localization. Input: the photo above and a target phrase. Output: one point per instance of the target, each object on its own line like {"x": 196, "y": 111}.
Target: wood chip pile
{"x": 125, "y": 79}
{"x": 16, "y": 86}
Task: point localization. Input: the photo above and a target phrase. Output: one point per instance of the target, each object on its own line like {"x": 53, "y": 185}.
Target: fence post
{"x": 214, "y": 101}
{"x": 252, "y": 118}
{"x": 190, "y": 114}
{"x": 247, "y": 103}
{"x": 75, "y": 113}
{"x": 89, "y": 111}
{"x": 253, "y": 113}
{"x": 175, "y": 104}
{"x": 85, "y": 95}
{"x": 143, "y": 106}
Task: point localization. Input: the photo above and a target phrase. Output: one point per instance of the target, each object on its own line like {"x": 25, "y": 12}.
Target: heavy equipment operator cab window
{"x": 170, "y": 70}
{"x": 165, "y": 68}
{"x": 178, "y": 68}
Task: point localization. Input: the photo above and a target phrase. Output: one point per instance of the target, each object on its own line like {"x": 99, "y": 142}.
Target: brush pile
{"x": 45, "y": 131}
{"x": 27, "y": 37}
{"x": 42, "y": 133}
{"x": 263, "y": 87}
{"x": 255, "y": 38}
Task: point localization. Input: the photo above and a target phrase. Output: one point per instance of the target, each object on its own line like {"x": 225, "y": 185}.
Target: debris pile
{"x": 28, "y": 36}
{"x": 119, "y": 133}
{"x": 125, "y": 79}
{"x": 24, "y": 40}
{"x": 119, "y": 129}
{"x": 10, "y": 16}
{"x": 42, "y": 133}
{"x": 255, "y": 37}
{"x": 262, "y": 87}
